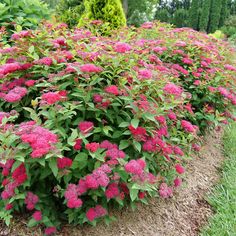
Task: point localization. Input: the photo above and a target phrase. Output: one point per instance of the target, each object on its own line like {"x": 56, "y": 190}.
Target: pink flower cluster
{"x": 188, "y": 127}
{"x": 139, "y": 133}
{"x": 15, "y": 95}
{"x": 37, "y": 215}
{"x": 122, "y": 47}
{"x": 96, "y": 212}
{"x": 64, "y": 162}
{"x": 47, "y": 61}
{"x": 51, "y": 97}
{"x": 112, "y": 191}
{"x": 90, "y": 68}
{"x": 31, "y": 200}
{"x": 165, "y": 191}
{"x": 112, "y": 89}
{"x": 135, "y": 167}
{"x": 71, "y": 195}
{"x": 92, "y": 147}
{"x": 86, "y": 127}
{"x": 9, "y": 68}
{"x": 39, "y": 138}
{"x": 173, "y": 89}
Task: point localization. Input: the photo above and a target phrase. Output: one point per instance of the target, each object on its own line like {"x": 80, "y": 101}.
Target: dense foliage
{"x": 27, "y": 14}
{"x": 204, "y": 15}
{"x": 109, "y": 11}
{"x": 89, "y": 122}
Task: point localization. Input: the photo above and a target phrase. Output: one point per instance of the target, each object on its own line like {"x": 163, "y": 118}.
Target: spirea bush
{"x": 88, "y": 122}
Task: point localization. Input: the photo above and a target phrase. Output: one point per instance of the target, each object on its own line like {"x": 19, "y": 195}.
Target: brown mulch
{"x": 182, "y": 215}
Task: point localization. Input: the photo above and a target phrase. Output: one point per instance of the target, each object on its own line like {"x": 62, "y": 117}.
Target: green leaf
{"x": 53, "y": 166}
{"x": 133, "y": 194}
{"x": 137, "y": 146}
{"x": 32, "y": 223}
{"x": 135, "y": 122}
{"x": 124, "y": 144}
{"x": 80, "y": 161}
{"x": 124, "y": 124}
{"x": 31, "y": 49}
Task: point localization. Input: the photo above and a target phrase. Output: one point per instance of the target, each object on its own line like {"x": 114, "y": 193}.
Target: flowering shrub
{"x": 87, "y": 122}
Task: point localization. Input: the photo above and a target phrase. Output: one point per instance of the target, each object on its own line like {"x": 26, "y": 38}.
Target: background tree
{"x": 224, "y": 12}
{"x": 204, "y": 17}
{"x": 194, "y": 14}
{"x": 109, "y": 11}
{"x": 180, "y": 18}
{"x": 216, "y": 6}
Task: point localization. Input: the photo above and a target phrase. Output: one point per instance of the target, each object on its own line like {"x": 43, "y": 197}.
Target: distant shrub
{"x": 110, "y": 12}
{"x": 26, "y": 14}
{"x": 229, "y": 27}
{"x": 70, "y": 11}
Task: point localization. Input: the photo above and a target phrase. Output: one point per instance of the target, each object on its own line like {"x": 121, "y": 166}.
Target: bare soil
{"x": 182, "y": 215}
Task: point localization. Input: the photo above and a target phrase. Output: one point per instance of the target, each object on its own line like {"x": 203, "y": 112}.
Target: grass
{"x": 223, "y": 197}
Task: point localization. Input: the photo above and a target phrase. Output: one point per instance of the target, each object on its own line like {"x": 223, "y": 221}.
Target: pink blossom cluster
{"x": 40, "y": 139}
{"x": 112, "y": 89}
{"x": 31, "y": 200}
{"x": 47, "y": 61}
{"x": 112, "y": 191}
{"x": 9, "y": 68}
{"x": 85, "y": 127}
{"x": 90, "y": 68}
{"x": 139, "y": 133}
{"x": 51, "y": 97}
{"x": 15, "y": 94}
{"x": 121, "y": 47}
{"x": 165, "y": 191}
{"x": 135, "y": 167}
{"x": 188, "y": 127}
{"x": 64, "y": 162}
{"x": 173, "y": 89}
{"x": 96, "y": 212}
{"x": 71, "y": 195}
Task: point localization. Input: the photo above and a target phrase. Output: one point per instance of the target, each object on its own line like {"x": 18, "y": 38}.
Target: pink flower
{"x": 30, "y": 83}
{"x": 96, "y": 212}
{"x": 31, "y": 200}
{"x": 139, "y": 133}
{"x": 8, "y": 207}
{"x": 112, "y": 191}
{"x": 19, "y": 174}
{"x": 173, "y": 89}
{"x": 188, "y": 127}
{"x": 91, "y": 214}
{"x": 78, "y": 144}
{"x": 50, "y": 230}
{"x": 16, "y": 94}
{"x": 86, "y": 127}
{"x": 147, "y": 25}
{"x": 177, "y": 182}
{"x": 179, "y": 169}
{"x": 197, "y": 82}
{"x": 115, "y": 153}
{"x": 122, "y": 47}
{"x": 91, "y": 182}
{"x": 64, "y": 162}
{"x": 165, "y": 191}
{"x": 135, "y": 166}
{"x": 90, "y": 68}
{"x": 44, "y": 61}
{"x": 92, "y": 147}
{"x": 145, "y": 74}
{"x": 37, "y": 215}
{"x": 51, "y": 97}
{"x": 74, "y": 203}
{"x": 97, "y": 98}
{"x": 112, "y": 89}
{"x": 196, "y": 147}
{"x": 141, "y": 195}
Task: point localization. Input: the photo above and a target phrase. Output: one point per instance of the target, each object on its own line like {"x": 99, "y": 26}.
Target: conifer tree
{"x": 194, "y": 14}
{"x": 204, "y": 17}
{"x": 110, "y": 11}
{"x": 216, "y": 6}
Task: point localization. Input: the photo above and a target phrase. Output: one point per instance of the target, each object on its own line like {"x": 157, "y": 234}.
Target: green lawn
{"x": 223, "y": 197}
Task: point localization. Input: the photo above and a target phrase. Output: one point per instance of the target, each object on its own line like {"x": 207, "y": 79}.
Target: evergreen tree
{"x": 216, "y": 6}
{"x": 109, "y": 11}
{"x": 180, "y": 18}
{"x": 194, "y": 14}
{"x": 205, "y": 13}
{"x": 163, "y": 15}
{"x": 224, "y": 12}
